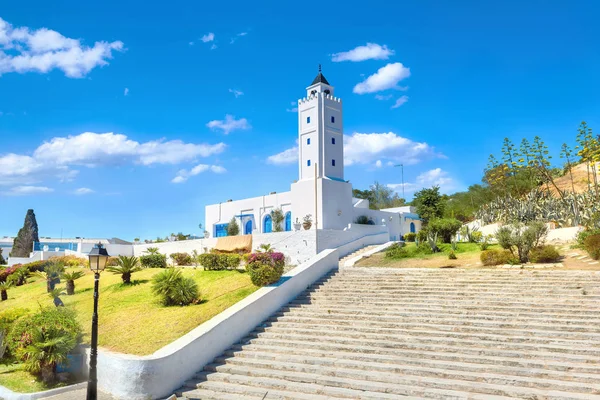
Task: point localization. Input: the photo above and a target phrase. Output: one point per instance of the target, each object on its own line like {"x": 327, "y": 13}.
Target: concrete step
{"x": 402, "y": 385}
{"x": 342, "y": 388}
{"x": 454, "y": 361}
{"x": 203, "y": 394}
{"x": 393, "y": 374}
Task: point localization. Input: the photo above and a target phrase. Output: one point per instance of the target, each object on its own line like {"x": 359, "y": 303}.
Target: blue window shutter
{"x": 308, "y": 141}
{"x": 333, "y": 163}
{"x": 332, "y": 119}
{"x": 332, "y": 140}
{"x": 308, "y": 163}
{"x": 308, "y": 120}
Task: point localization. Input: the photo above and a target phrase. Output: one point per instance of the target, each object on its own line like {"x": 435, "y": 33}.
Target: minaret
{"x": 320, "y": 132}
{"x": 320, "y": 143}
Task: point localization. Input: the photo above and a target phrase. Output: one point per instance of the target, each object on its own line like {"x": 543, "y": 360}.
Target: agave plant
{"x": 4, "y": 286}
{"x": 70, "y": 278}
{"x": 126, "y": 266}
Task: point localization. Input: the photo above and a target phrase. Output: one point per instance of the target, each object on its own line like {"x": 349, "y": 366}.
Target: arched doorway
{"x": 248, "y": 227}
{"x": 288, "y": 221}
{"x": 412, "y": 227}
{"x": 267, "y": 224}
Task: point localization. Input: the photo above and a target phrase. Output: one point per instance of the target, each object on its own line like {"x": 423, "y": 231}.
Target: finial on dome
{"x": 319, "y": 67}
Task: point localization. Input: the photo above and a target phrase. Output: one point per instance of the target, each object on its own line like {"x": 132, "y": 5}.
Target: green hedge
{"x": 154, "y": 261}
{"x": 544, "y": 254}
{"x": 219, "y": 262}
{"x": 497, "y": 257}
{"x": 592, "y": 246}
{"x": 181, "y": 258}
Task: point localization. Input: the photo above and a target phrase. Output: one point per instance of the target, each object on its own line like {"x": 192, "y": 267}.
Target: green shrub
{"x": 8, "y": 317}
{"x": 37, "y": 266}
{"x": 422, "y": 235}
{"x": 496, "y": 257}
{"x": 174, "y": 289}
{"x": 582, "y": 235}
{"x": 592, "y": 246}
{"x": 520, "y": 239}
{"x": 544, "y": 254}
{"x": 154, "y": 261}
{"x": 362, "y": 220}
{"x": 410, "y": 237}
{"x": 71, "y": 261}
{"x": 396, "y": 251}
{"x": 265, "y": 268}
{"x": 476, "y": 237}
{"x": 181, "y": 258}
{"x": 22, "y": 334}
{"x": 452, "y": 255}
{"x": 445, "y": 228}
{"x": 219, "y": 262}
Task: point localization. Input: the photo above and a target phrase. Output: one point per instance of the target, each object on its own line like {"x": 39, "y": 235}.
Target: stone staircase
{"x": 356, "y": 253}
{"x": 373, "y": 333}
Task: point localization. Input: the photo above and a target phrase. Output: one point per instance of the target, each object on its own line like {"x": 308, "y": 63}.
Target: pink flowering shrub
{"x": 265, "y": 268}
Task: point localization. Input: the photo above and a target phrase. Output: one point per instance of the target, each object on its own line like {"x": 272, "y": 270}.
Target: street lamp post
{"x": 98, "y": 257}
{"x": 402, "y": 168}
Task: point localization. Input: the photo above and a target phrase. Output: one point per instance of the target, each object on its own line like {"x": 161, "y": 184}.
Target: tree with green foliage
{"x": 429, "y": 203}
{"x": 28, "y": 234}
{"x": 444, "y": 228}
{"x": 233, "y": 229}
{"x": 277, "y": 217}
{"x": 70, "y": 278}
{"x": 379, "y": 196}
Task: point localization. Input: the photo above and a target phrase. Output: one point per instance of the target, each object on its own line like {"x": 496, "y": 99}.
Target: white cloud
{"x": 434, "y": 177}
{"x": 229, "y": 124}
{"x": 183, "y": 175}
{"x": 286, "y": 157}
{"x": 383, "y": 97}
{"x": 191, "y": 43}
{"x": 372, "y": 51}
{"x": 385, "y": 78}
{"x": 401, "y": 100}
{"x": 24, "y": 50}
{"x": 28, "y": 190}
{"x": 126, "y": 92}
{"x": 367, "y": 148}
{"x": 55, "y": 158}
{"x": 214, "y": 46}
{"x": 209, "y": 37}
{"x": 233, "y": 39}
{"x": 236, "y": 93}
{"x": 294, "y": 108}
{"x": 82, "y": 191}
{"x": 372, "y": 149}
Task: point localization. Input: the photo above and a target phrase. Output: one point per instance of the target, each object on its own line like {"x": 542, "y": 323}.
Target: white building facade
{"x": 321, "y": 193}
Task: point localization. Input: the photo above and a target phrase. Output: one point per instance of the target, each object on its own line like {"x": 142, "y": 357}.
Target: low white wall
{"x": 7, "y": 394}
{"x": 112, "y": 249}
{"x": 35, "y": 256}
{"x": 343, "y": 240}
{"x": 158, "y": 375}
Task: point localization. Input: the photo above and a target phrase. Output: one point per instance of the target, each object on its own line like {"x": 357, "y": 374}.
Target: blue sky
{"x": 152, "y": 84}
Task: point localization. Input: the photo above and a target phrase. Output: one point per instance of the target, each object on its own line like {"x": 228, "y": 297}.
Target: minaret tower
{"x": 320, "y": 132}
{"x": 321, "y": 160}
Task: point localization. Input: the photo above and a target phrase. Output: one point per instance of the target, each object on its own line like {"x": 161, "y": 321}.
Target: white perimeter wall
{"x": 160, "y": 374}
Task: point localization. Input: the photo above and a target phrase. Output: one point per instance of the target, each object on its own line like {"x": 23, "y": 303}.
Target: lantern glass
{"x": 98, "y": 257}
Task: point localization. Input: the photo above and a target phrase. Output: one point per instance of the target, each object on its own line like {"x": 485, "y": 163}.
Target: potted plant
{"x": 297, "y": 225}
{"x": 307, "y": 222}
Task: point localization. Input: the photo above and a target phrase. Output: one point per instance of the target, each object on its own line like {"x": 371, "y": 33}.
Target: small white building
{"x": 320, "y": 168}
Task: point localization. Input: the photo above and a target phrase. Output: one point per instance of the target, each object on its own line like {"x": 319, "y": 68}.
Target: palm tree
{"x": 4, "y": 286}
{"x": 126, "y": 267}
{"x": 52, "y": 275}
{"x": 48, "y": 348}
{"x": 174, "y": 288}
{"x": 152, "y": 250}
{"x": 55, "y": 295}
{"x": 70, "y": 277}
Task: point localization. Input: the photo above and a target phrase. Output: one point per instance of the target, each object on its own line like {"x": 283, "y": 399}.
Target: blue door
{"x": 267, "y": 224}
{"x": 221, "y": 230}
{"x": 288, "y": 221}
{"x": 412, "y": 227}
{"x": 248, "y": 228}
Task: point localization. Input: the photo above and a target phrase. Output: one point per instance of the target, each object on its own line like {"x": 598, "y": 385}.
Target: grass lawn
{"x": 131, "y": 320}
{"x": 15, "y": 378}
{"x": 466, "y": 253}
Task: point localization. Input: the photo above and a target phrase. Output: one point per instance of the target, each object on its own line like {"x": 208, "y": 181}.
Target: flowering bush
{"x": 265, "y": 268}
{"x": 37, "y": 266}
{"x": 71, "y": 261}
{"x": 6, "y": 272}
{"x": 219, "y": 262}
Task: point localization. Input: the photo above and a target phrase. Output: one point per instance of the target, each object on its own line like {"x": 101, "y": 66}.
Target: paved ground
{"x": 79, "y": 395}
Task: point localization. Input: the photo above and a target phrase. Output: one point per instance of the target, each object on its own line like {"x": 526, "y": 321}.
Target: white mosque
{"x": 321, "y": 191}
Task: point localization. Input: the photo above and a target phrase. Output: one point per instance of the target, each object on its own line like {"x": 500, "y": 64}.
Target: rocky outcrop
{"x": 23, "y": 243}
